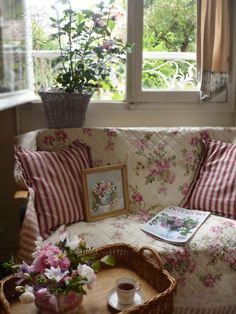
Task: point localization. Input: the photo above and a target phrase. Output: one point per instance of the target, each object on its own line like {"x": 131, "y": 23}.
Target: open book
{"x": 175, "y": 224}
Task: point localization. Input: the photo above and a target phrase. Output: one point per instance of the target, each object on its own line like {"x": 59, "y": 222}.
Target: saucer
{"x": 112, "y": 300}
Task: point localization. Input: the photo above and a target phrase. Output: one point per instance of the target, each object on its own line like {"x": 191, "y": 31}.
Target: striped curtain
{"x": 213, "y": 47}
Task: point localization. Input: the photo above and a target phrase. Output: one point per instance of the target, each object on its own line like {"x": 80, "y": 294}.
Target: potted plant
{"x": 88, "y": 49}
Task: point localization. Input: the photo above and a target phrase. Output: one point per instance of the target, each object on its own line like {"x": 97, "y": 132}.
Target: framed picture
{"x": 105, "y": 191}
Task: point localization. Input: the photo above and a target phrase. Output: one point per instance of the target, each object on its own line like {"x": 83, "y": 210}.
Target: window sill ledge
{"x": 10, "y": 100}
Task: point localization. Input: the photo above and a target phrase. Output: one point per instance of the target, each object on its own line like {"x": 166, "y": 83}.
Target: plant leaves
{"x": 108, "y": 260}
{"x": 96, "y": 266}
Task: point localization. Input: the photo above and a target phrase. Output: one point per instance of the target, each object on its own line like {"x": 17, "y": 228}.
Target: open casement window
{"x": 163, "y": 65}
{"x": 16, "y": 75}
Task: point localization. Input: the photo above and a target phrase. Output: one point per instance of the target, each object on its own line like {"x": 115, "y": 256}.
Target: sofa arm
{"x": 21, "y": 198}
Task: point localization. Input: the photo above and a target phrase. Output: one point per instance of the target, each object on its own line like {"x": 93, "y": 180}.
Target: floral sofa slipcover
{"x": 161, "y": 165}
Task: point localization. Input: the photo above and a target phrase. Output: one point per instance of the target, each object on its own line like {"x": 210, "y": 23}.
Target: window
{"x": 16, "y": 77}
{"x": 162, "y": 67}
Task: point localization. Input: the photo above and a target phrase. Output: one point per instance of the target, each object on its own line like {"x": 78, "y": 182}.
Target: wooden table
{"x": 95, "y": 301}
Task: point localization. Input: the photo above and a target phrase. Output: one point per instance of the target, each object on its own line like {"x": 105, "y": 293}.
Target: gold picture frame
{"x": 105, "y": 191}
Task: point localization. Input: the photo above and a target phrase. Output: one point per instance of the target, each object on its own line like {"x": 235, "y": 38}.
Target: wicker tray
{"x": 144, "y": 265}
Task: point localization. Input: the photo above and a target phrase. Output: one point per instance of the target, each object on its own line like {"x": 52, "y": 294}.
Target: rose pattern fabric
{"x": 161, "y": 162}
{"x": 161, "y": 165}
{"x": 205, "y": 268}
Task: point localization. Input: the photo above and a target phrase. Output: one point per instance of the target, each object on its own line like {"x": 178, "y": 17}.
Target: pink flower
{"x": 57, "y": 261}
{"x": 50, "y": 256}
{"x": 112, "y": 132}
{"x": 143, "y": 216}
{"x": 99, "y": 23}
{"x": 171, "y": 177}
{"x": 194, "y": 141}
{"x": 87, "y": 131}
{"x": 115, "y": 14}
{"x": 61, "y": 135}
{"x": 188, "y": 157}
{"x": 141, "y": 143}
{"x": 164, "y": 164}
{"x": 137, "y": 197}
{"x": 229, "y": 223}
{"x": 184, "y": 188}
{"x": 48, "y": 140}
{"x": 155, "y": 170}
{"x": 208, "y": 280}
{"x": 107, "y": 44}
{"x": 204, "y": 135}
{"x": 163, "y": 191}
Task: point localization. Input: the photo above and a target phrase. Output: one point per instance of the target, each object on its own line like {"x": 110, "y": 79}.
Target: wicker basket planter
{"x": 65, "y": 110}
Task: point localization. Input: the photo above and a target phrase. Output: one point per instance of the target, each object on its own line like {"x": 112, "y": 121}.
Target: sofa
{"x": 165, "y": 166}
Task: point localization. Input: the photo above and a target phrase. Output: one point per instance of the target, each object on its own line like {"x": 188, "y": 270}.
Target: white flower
{"x": 55, "y": 273}
{"x": 87, "y": 272}
{"x": 72, "y": 242}
{"x": 39, "y": 245}
{"x": 29, "y": 288}
{"x": 19, "y": 289}
{"x": 27, "y": 297}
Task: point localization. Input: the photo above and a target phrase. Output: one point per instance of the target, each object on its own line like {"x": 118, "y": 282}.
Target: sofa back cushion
{"x": 161, "y": 162}
{"x": 56, "y": 180}
{"x": 215, "y": 186}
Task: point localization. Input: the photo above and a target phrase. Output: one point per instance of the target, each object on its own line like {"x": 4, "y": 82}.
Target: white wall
{"x": 31, "y": 116}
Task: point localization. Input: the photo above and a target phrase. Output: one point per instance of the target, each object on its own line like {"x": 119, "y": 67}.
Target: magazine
{"x": 175, "y": 224}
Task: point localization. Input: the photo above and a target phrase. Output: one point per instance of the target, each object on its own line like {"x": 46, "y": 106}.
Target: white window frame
{"x": 137, "y": 98}
{"x": 14, "y": 98}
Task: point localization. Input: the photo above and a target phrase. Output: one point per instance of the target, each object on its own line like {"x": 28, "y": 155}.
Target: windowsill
{"x": 10, "y": 100}
{"x": 203, "y": 106}
{"x": 123, "y": 105}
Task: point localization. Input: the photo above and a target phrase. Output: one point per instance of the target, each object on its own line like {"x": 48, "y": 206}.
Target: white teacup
{"x": 125, "y": 289}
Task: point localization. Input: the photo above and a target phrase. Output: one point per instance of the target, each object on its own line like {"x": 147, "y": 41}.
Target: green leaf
{"x": 108, "y": 260}
{"x": 111, "y": 25}
{"x": 96, "y": 266}
{"x": 53, "y": 19}
{"x": 88, "y": 13}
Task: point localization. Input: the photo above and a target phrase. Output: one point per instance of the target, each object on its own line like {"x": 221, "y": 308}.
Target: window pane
{"x": 13, "y": 74}
{"x": 169, "y": 45}
{"x": 46, "y": 49}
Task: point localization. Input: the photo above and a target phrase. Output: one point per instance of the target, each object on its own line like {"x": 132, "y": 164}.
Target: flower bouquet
{"x": 61, "y": 273}
{"x": 103, "y": 193}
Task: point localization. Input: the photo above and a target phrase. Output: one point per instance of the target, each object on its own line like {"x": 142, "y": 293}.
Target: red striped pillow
{"x": 215, "y": 188}
{"x": 56, "y": 180}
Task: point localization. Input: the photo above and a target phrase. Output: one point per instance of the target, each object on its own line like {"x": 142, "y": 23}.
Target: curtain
{"x": 213, "y": 46}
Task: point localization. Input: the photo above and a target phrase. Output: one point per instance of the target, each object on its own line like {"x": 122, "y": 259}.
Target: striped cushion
{"x": 215, "y": 188}
{"x": 56, "y": 180}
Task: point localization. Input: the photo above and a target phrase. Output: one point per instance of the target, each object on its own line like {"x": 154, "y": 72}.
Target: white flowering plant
{"x": 89, "y": 47}
{"x": 58, "y": 269}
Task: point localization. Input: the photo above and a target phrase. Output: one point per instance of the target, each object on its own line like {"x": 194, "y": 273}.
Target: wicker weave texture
{"x": 147, "y": 264}
{"x": 65, "y": 110}
{"x": 7, "y": 293}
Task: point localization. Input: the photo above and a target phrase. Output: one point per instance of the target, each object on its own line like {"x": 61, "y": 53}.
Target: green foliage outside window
{"x": 169, "y": 26}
